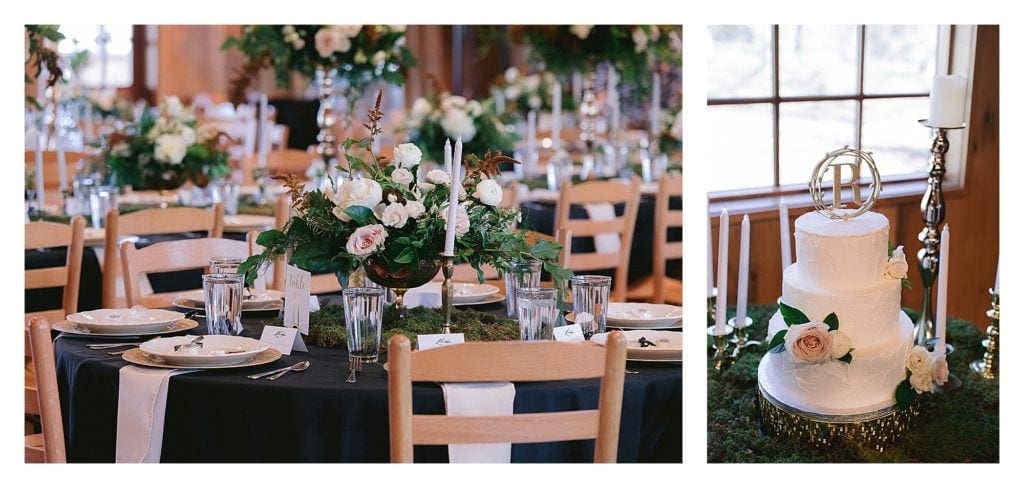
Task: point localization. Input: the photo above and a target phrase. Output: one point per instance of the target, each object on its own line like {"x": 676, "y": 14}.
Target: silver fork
{"x": 354, "y": 365}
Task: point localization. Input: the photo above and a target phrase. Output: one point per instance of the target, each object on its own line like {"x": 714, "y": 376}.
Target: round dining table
{"x": 219, "y": 415}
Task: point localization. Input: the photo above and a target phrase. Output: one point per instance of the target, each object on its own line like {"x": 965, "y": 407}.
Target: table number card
{"x": 569, "y": 333}
{"x": 430, "y": 341}
{"x": 284, "y": 339}
{"x": 296, "y": 298}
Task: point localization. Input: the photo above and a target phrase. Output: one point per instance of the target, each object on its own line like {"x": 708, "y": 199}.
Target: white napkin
{"x": 479, "y": 399}
{"x": 141, "y": 405}
{"x": 428, "y": 296}
{"x": 608, "y": 242}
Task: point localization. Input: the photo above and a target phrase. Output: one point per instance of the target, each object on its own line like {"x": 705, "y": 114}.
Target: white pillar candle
{"x": 556, "y": 115}
{"x": 996, "y": 287}
{"x": 741, "y": 284}
{"x": 784, "y": 234}
{"x": 721, "y": 301}
{"x": 947, "y": 100}
{"x": 711, "y": 265}
{"x": 941, "y": 292}
{"x": 655, "y": 108}
{"x": 453, "y": 200}
{"x": 531, "y": 144}
{"x": 264, "y": 133}
{"x": 448, "y": 156}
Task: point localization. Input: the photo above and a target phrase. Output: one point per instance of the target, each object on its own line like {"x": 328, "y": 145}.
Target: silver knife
{"x": 267, "y": 373}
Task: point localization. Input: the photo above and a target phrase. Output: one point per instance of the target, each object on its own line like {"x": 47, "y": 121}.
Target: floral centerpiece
{"x": 437, "y": 117}
{"x": 383, "y": 219}
{"x": 164, "y": 150}
{"x": 523, "y": 93}
{"x": 670, "y": 140}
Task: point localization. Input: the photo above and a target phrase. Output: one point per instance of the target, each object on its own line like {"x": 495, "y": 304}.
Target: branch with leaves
{"x": 41, "y": 55}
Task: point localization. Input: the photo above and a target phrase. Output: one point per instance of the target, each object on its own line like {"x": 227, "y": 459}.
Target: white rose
{"x": 940, "y": 369}
{"x": 451, "y": 102}
{"x": 415, "y": 209}
{"x": 348, "y": 31}
{"x": 360, "y": 57}
{"x": 581, "y": 31}
{"x": 531, "y": 83}
{"x": 896, "y": 268}
{"x": 394, "y": 215}
{"x": 401, "y": 176}
{"x": 361, "y": 192}
{"x": 288, "y": 30}
{"x": 172, "y": 107}
{"x": 427, "y": 187}
{"x": 461, "y": 219}
{"x": 511, "y": 74}
{"x": 675, "y": 42}
{"x": 170, "y": 148}
{"x": 366, "y": 240}
{"x": 439, "y": 177}
{"x": 474, "y": 108}
{"x": 655, "y": 33}
{"x": 640, "y": 40}
{"x": 809, "y": 343}
{"x": 922, "y": 383}
{"x": 331, "y": 39}
{"x": 188, "y": 135}
{"x": 919, "y": 361}
{"x": 406, "y": 155}
{"x": 457, "y": 123}
{"x": 534, "y": 101}
{"x": 840, "y": 344}
{"x": 317, "y": 169}
{"x": 379, "y": 57}
{"x": 512, "y": 92}
{"x": 488, "y": 192}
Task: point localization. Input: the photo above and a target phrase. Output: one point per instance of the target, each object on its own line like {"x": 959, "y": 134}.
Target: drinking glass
{"x": 102, "y": 199}
{"x": 538, "y": 313}
{"x": 590, "y": 302}
{"x": 224, "y": 265}
{"x": 364, "y": 308}
{"x": 226, "y": 192}
{"x": 222, "y": 295}
{"x": 521, "y": 274}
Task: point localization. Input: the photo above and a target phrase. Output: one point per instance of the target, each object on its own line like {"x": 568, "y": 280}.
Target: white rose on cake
{"x": 919, "y": 361}
{"x": 896, "y": 268}
{"x": 809, "y": 343}
{"x": 362, "y": 192}
{"x": 407, "y": 155}
{"x": 922, "y": 383}
{"x": 841, "y": 345}
{"x": 366, "y": 240}
{"x": 401, "y": 176}
{"x": 489, "y": 192}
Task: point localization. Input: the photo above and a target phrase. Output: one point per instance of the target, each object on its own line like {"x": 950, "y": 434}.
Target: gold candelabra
{"x": 447, "y": 269}
{"x": 988, "y": 365}
{"x": 721, "y": 357}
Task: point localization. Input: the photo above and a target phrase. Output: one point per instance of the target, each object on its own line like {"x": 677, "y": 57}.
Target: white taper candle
{"x": 530, "y": 165}
{"x": 941, "y": 291}
{"x": 741, "y": 283}
{"x": 264, "y": 131}
{"x": 784, "y": 234}
{"x": 448, "y": 156}
{"x": 58, "y": 141}
{"x": 722, "y": 301}
{"x": 995, "y": 288}
{"x": 453, "y": 200}
{"x": 711, "y": 264}
{"x": 655, "y": 108}
{"x": 556, "y": 115}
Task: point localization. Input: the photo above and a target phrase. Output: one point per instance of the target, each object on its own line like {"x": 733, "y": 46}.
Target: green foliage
{"x": 792, "y": 316}
{"x": 832, "y": 320}
{"x": 848, "y": 357}
{"x": 905, "y": 394}
{"x": 955, "y": 427}
{"x": 778, "y": 342}
{"x": 429, "y": 135}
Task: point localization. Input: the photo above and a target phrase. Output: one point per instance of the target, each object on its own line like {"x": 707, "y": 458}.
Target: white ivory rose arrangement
{"x": 926, "y": 370}
{"x": 439, "y": 116}
{"x": 811, "y": 342}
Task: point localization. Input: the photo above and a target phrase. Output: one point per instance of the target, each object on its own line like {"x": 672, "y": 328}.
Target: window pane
{"x": 899, "y": 58}
{"x": 740, "y": 146}
{"x": 809, "y": 130}
{"x": 817, "y": 60}
{"x": 116, "y": 70}
{"x": 740, "y": 64}
{"x": 900, "y": 144}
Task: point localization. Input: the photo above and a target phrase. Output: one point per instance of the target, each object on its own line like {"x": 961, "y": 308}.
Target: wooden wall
{"x": 972, "y": 213}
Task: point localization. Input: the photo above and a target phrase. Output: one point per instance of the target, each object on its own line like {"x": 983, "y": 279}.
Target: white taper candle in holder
{"x": 995, "y": 288}
{"x": 722, "y": 300}
{"x": 261, "y": 158}
{"x": 655, "y": 109}
{"x": 741, "y": 283}
{"x": 947, "y": 100}
{"x": 453, "y": 200}
{"x": 556, "y": 115}
{"x": 941, "y": 292}
{"x": 711, "y": 264}
{"x": 58, "y": 141}
{"x": 784, "y": 234}
{"x": 448, "y": 156}
{"x": 530, "y": 167}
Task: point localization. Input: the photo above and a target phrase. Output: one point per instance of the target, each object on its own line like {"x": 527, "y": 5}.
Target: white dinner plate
{"x": 463, "y": 293}
{"x": 259, "y": 300}
{"x": 135, "y": 320}
{"x": 668, "y": 344}
{"x": 643, "y": 315}
{"x": 210, "y": 350}
{"x": 75, "y": 329}
{"x": 136, "y": 356}
{"x": 245, "y": 223}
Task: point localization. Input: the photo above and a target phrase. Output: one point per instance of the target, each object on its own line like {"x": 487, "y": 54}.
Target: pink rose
{"x": 940, "y": 370}
{"x": 461, "y": 219}
{"x": 366, "y": 240}
{"x": 809, "y": 343}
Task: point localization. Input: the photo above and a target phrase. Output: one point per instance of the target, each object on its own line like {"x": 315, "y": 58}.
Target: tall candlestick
{"x": 613, "y": 100}
{"x": 531, "y": 144}
{"x": 723, "y": 271}
{"x": 947, "y": 100}
{"x": 577, "y": 87}
{"x": 453, "y": 200}
{"x": 995, "y": 288}
{"x": 787, "y": 253}
{"x": 457, "y": 161}
{"x": 940, "y": 307}
{"x": 261, "y": 159}
{"x": 741, "y": 284}
{"x": 448, "y": 156}
{"x": 655, "y": 109}
{"x": 711, "y": 265}
{"x": 556, "y": 115}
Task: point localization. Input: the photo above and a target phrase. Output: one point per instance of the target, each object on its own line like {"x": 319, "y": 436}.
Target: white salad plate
{"x": 463, "y": 293}
{"x": 135, "y": 320}
{"x": 668, "y": 345}
{"x": 629, "y": 315}
{"x": 210, "y": 350}
{"x": 258, "y": 300}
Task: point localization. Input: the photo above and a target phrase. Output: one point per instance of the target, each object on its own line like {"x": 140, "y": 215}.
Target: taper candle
{"x": 556, "y": 115}
{"x": 711, "y": 264}
{"x": 530, "y": 167}
{"x": 995, "y": 288}
{"x": 655, "y": 108}
{"x": 784, "y": 234}
{"x": 946, "y": 101}
{"x": 448, "y": 156}
{"x": 721, "y": 301}
{"x": 741, "y": 283}
{"x": 264, "y": 129}
{"x": 943, "y": 287}
{"x": 453, "y": 200}
{"x": 58, "y": 142}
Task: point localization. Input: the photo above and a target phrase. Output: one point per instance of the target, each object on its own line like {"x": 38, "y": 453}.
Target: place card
{"x": 569, "y": 333}
{"x": 430, "y": 341}
{"x": 296, "y": 298}
{"x": 284, "y": 339}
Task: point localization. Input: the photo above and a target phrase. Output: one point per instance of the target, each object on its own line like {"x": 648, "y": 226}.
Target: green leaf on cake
{"x": 833, "y": 321}
{"x": 778, "y": 342}
{"x": 848, "y": 357}
{"x": 906, "y": 283}
{"x": 791, "y": 315}
{"x": 891, "y": 249}
{"x": 904, "y": 394}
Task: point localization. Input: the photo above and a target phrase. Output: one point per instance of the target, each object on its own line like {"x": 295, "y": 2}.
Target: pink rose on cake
{"x": 809, "y": 343}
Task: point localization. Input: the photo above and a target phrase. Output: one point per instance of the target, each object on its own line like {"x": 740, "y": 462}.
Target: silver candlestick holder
{"x": 740, "y": 339}
{"x": 988, "y": 365}
{"x": 933, "y": 212}
{"x": 447, "y": 269}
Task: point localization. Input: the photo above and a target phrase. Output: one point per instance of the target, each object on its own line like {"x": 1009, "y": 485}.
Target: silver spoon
{"x": 197, "y": 340}
{"x": 297, "y": 367}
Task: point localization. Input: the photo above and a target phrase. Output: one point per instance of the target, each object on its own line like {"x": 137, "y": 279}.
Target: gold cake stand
{"x": 876, "y": 430}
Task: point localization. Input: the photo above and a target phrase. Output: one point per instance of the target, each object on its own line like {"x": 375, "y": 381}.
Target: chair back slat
{"x": 170, "y": 256}
{"x": 519, "y": 429}
{"x": 503, "y": 361}
{"x": 72, "y": 237}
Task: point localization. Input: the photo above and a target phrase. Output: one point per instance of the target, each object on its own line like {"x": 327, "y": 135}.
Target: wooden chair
{"x": 626, "y": 192}
{"x": 658, "y": 287}
{"x": 49, "y": 445}
{"x": 170, "y": 256}
{"x": 149, "y": 222}
{"x": 503, "y": 361}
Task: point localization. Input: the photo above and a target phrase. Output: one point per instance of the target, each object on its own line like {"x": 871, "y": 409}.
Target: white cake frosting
{"x": 840, "y": 268}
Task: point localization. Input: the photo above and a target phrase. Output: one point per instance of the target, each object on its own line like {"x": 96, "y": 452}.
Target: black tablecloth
{"x": 90, "y": 294}
{"x": 314, "y": 416}
{"x": 540, "y": 217}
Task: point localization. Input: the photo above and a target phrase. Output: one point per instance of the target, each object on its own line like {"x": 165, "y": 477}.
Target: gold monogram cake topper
{"x": 835, "y": 161}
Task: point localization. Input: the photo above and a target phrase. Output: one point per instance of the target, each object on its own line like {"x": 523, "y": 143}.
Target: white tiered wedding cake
{"x": 840, "y": 342}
